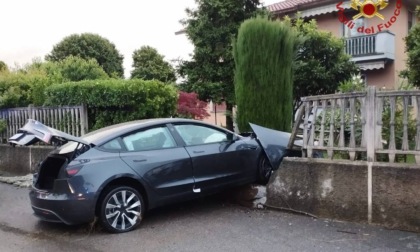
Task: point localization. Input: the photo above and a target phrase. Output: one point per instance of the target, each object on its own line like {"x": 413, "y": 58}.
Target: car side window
{"x": 197, "y": 134}
{"x": 150, "y": 139}
{"x": 112, "y": 145}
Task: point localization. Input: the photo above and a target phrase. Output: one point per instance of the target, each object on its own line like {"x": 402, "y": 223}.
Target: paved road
{"x": 211, "y": 224}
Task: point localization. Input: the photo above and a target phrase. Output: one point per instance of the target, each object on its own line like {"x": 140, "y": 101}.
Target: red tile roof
{"x": 292, "y": 5}
{"x": 288, "y": 4}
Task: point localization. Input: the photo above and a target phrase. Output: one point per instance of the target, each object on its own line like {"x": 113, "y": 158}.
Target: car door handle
{"x": 196, "y": 152}
{"x": 139, "y": 160}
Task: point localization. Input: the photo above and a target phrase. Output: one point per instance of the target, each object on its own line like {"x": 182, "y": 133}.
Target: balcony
{"x": 375, "y": 47}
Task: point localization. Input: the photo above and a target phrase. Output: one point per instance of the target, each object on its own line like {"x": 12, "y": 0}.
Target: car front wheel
{"x": 264, "y": 170}
{"x": 121, "y": 209}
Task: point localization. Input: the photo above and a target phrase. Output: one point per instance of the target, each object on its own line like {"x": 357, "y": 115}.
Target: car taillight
{"x": 71, "y": 171}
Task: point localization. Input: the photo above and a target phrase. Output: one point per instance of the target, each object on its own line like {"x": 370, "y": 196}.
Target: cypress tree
{"x": 263, "y": 54}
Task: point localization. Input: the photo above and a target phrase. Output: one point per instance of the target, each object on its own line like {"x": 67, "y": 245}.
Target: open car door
{"x": 34, "y": 131}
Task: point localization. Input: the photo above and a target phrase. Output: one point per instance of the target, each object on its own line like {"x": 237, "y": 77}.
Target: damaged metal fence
{"x": 373, "y": 125}
{"x": 70, "y": 119}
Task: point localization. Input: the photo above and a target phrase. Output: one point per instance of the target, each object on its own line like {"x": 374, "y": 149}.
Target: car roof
{"x": 105, "y": 134}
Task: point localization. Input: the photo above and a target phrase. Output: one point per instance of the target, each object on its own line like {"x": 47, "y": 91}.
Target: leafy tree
{"x": 90, "y": 46}
{"x": 263, "y": 54}
{"x": 17, "y": 88}
{"x": 22, "y": 86}
{"x": 26, "y": 85}
{"x": 74, "y": 68}
{"x": 148, "y": 64}
{"x": 211, "y": 28}
{"x": 412, "y": 48}
{"x": 189, "y": 106}
{"x": 320, "y": 64}
{"x": 3, "y": 66}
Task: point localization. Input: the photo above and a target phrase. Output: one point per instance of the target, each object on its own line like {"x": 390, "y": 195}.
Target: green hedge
{"x": 263, "y": 54}
{"x": 116, "y": 100}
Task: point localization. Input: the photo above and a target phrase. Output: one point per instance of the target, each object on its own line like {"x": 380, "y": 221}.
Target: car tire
{"x": 264, "y": 170}
{"x": 122, "y": 209}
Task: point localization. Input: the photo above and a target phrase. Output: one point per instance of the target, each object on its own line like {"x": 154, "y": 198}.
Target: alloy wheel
{"x": 122, "y": 210}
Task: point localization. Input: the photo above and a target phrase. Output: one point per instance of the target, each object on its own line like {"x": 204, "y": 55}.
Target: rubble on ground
{"x": 20, "y": 181}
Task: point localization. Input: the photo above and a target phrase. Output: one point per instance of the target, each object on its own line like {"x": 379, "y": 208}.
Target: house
{"x": 373, "y": 31}
{"x": 217, "y": 113}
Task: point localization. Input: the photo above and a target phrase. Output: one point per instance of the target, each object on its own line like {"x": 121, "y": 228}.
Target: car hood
{"x": 273, "y": 142}
{"x": 34, "y": 131}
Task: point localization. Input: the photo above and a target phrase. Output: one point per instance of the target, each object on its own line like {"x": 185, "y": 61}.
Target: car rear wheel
{"x": 264, "y": 170}
{"x": 121, "y": 209}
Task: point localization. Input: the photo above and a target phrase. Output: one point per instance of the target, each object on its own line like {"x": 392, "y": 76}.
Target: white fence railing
{"x": 70, "y": 119}
{"x": 372, "y": 125}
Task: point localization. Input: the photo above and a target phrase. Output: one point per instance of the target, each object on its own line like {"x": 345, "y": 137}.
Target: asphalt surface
{"x": 208, "y": 224}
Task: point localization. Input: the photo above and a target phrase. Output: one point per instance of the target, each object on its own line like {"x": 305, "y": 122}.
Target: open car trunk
{"x": 54, "y": 166}
{"x": 50, "y": 170}
{"x": 34, "y": 131}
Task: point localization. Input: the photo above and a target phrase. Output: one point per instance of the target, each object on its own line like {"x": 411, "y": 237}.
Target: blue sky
{"x": 30, "y": 28}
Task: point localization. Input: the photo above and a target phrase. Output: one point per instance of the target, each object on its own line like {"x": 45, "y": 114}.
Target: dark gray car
{"x": 118, "y": 172}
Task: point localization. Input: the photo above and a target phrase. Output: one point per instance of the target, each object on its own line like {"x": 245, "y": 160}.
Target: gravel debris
{"x": 20, "y": 181}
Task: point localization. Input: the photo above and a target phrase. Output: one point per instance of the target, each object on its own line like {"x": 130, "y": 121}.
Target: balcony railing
{"x": 358, "y": 46}
{"x": 371, "y": 47}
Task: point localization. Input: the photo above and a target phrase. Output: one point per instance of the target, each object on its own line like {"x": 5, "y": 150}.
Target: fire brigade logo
{"x": 368, "y": 8}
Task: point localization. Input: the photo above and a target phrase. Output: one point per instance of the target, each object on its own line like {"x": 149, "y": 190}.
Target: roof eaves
{"x": 304, "y": 6}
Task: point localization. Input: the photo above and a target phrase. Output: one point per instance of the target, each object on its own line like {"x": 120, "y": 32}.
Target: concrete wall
{"x": 339, "y": 190}
{"x": 396, "y": 196}
{"x": 21, "y": 160}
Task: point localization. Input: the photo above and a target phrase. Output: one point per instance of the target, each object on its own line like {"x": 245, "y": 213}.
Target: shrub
{"x": 189, "y": 106}
{"x": 114, "y": 100}
{"x": 354, "y": 84}
{"x": 21, "y": 88}
{"x": 74, "y": 68}
{"x": 25, "y": 85}
{"x": 3, "y": 66}
{"x": 412, "y": 49}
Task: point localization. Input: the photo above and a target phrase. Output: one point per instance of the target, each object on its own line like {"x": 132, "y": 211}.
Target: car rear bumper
{"x": 66, "y": 208}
